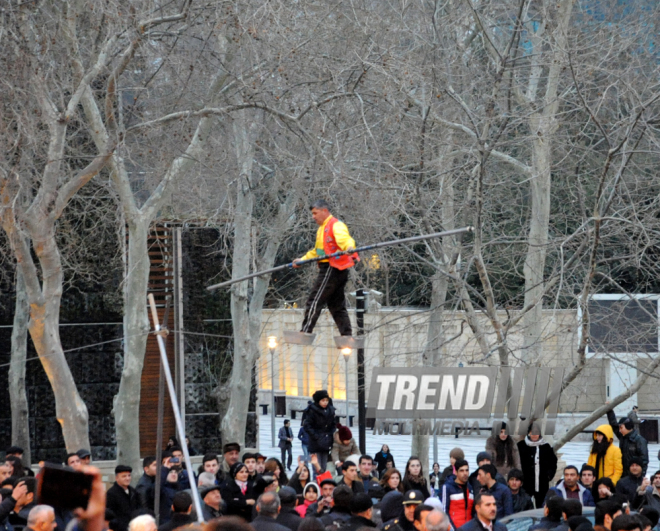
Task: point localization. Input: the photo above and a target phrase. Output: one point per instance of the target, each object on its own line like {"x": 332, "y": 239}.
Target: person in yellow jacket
{"x": 605, "y": 457}
{"x": 331, "y": 236}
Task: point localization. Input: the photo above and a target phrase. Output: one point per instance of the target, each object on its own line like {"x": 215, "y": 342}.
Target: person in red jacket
{"x": 332, "y": 236}
{"x": 457, "y": 496}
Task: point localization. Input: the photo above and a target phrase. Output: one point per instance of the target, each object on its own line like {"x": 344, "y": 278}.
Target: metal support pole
{"x": 347, "y": 417}
{"x": 175, "y": 408}
{"x": 272, "y": 396}
{"x": 362, "y": 410}
{"x": 159, "y": 441}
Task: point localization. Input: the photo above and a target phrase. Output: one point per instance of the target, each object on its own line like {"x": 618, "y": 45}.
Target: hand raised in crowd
{"x": 93, "y": 517}
{"x": 19, "y": 491}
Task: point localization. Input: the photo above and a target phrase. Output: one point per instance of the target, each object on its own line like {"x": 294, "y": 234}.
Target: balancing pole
{"x": 175, "y": 407}
{"x": 340, "y": 253}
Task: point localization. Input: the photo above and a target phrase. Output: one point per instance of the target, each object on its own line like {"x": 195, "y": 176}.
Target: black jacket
{"x": 122, "y": 504}
{"x": 236, "y": 500}
{"x": 289, "y": 518}
{"x": 628, "y": 487}
{"x": 266, "y": 523}
{"x": 320, "y": 426}
{"x": 547, "y": 466}
{"x": 177, "y": 520}
{"x": 521, "y": 501}
{"x": 357, "y": 486}
{"x": 423, "y": 487}
{"x": 381, "y": 461}
{"x": 650, "y": 499}
{"x": 146, "y": 491}
{"x": 210, "y": 513}
{"x": 19, "y": 520}
{"x": 631, "y": 445}
{"x": 335, "y": 517}
{"x": 356, "y": 522}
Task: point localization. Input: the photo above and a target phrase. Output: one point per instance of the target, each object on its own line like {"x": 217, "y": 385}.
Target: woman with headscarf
{"x": 538, "y": 462}
{"x": 238, "y": 493}
{"x": 504, "y": 450}
{"x": 605, "y": 456}
{"x": 320, "y": 426}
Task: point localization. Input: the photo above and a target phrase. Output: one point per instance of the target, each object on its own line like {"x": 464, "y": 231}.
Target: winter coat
{"x": 521, "y": 501}
{"x": 341, "y": 451}
{"x": 289, "y": 518}
{"x": 266, "y": 523}
{"x": 457, "y": 502}
{"x": 502, "y": 496}
{"x": 381, "y": 461}
{"x": 122, "y": 504}
{"x": 631, "y": 445}
{"x": 650, "y": 499}
{"x": 320, "y": 425}
{"x": 177, "y": 520}
{"x": 586, "y": 499}
{"x": 547, "y": 466}
{"x": 611, "y": 466}
{"x": 476, "y": 525}
{"x": 491, "y": 448}
{"x": 236, "y": 500}
{"x": 422, "y": 487}
{"x": 302, "y": 436}
{"x": 628, "y": 487}
{"x": 358, "y": 522}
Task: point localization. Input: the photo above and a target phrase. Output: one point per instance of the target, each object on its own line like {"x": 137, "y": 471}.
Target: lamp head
{"x": 346, "y": 352}
{"x": 272, "y": 342}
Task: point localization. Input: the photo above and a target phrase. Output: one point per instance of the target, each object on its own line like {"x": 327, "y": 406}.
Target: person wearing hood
{"x": 569, "y": 488}
{"x": 539, "y": 464}
{"x": 310, "y": 495}
{"x": 503, "y": 449}
{"x": 343, "y": 445}
{"x": 605, "y": 456}
{"x": 320, "y": 426}
{"x": 631, "y": 443}
{"x": 391, "y": 507}
{"x": 634, "y": 483}
{"x": 237, "y": 492}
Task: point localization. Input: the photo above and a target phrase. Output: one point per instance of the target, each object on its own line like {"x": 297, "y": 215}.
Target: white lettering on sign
{"x": 452, "y": 392}
{"x": 385, "y": 380}
{"x": 426, "y": 392}
{"x": 477, "y": 392}
{"x": 405, "y": 388}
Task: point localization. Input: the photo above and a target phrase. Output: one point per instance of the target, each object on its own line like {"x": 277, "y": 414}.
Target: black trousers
{"x": 328, "y": 289}
{"x": 290, "y": 460}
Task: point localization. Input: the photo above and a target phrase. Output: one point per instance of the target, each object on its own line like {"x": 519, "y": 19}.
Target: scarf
{"x": 242, "y": 485}
{"x": 537, "y": 465}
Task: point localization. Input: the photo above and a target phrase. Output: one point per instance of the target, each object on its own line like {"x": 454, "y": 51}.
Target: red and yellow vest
{"x": 330, "y": 246}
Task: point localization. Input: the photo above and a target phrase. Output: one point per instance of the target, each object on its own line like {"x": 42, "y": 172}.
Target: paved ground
{"x": 574, "y": 453}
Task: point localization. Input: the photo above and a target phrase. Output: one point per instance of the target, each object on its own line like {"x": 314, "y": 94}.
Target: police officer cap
{"x": 413, "y": 496}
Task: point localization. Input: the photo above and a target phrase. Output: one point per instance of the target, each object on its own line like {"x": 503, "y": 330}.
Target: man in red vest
{"x": 331, "y": 236}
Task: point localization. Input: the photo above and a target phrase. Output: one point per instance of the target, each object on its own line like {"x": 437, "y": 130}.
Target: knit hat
{"x": 311, "y": 485}
{"x": 123, "y": 468}
{"x": 629, "y": 424}
{"x": 636, "y": 461}
{"x": 344, "y": 433}
{"x": 515, "y": 473}
{"x": 231, "y": 447}
{"x": 361, "y": 502}
{"x": 457, "y": 453}
{"x": 320, "y": 395}
{"x": 534, "y": 429}
{"x": 484, "y": 455}
{"x": 235, "y": 469}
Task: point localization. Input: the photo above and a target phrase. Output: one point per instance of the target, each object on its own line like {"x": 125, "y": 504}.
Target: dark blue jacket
{"x": 503, "y": 499}
{"x": 302, "y": 435}
{"x": 475, "y": 525}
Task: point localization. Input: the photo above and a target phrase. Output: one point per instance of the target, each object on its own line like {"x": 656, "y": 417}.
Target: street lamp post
{"x": 272, "y": 345}
{"x": 346, "y": 352}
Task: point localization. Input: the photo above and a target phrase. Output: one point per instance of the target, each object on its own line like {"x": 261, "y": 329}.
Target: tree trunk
{"x": 20, "y": 427}
{"x": 232, "y": 426}
{"x": 537, "y": 242}
{"x": 126, "y": 404}
{"x": 44, "y": 327}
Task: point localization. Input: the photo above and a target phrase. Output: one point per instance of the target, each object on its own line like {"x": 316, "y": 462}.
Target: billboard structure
{"x": 420, "y": 395}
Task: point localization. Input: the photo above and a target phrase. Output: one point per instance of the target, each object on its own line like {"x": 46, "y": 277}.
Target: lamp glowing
{"x": 346, "y": 352}
{"x": 272, "y": 342}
